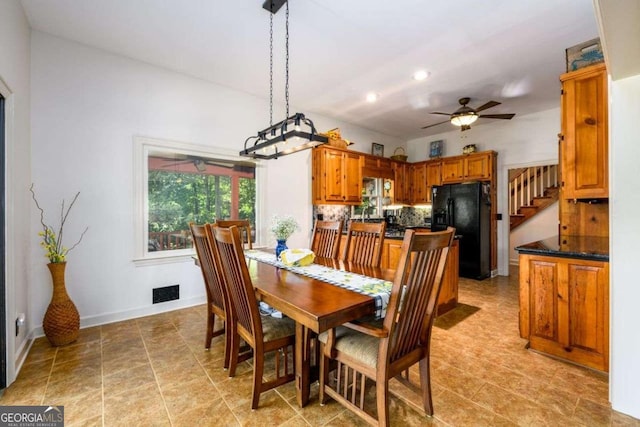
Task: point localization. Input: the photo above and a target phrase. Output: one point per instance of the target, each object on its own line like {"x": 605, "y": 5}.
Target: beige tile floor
{"x": 155, "y": 371}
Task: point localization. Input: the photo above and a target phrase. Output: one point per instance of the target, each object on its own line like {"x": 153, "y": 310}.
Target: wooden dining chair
{"x": 325, "y": 242}
{"x": 217, "y": 298}
{"x": 364, "y": 243}
{"x": 243, "y": 225}
{"x": 263, "y": 334}
{"x": 362, "y": 350}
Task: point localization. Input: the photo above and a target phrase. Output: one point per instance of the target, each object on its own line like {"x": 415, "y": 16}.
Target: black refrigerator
{"x": 467, "y": 207}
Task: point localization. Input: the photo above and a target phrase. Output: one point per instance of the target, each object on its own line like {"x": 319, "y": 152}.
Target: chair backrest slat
{"x": 414, "y": 294}
{"x": 243, "y": 300}
{"x": 210, "y": 265}
{"x": 364, "y": 243}
{"x": 244, "y": 227}
{"x": 326, "y": 238}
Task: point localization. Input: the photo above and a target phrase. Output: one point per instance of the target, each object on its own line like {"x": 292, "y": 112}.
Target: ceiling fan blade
{"x": 444, "y": 114}
{"x": 497, "y": 116}
{"x": 489, "y": 104}
{"x": 173, "y": 162}
{"x": 435, "y": 124}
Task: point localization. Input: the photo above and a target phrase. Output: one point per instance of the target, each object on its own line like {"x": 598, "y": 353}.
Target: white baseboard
{"x": 22, "y": 353}
{"x": 103, "y": 319}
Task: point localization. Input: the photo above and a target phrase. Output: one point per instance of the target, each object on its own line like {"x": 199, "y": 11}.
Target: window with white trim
{"x": 180, "y": 183}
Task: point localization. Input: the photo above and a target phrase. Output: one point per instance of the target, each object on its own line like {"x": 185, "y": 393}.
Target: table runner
{"x": 379, "y": 289}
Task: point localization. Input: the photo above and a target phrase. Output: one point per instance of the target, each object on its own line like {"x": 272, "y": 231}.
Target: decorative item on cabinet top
{"x": 400, "y": 157}
{"x": 335, "y": 138}
{"x": 468, "y": 149}
{"x": 435, "y": 148}
{"x": 583, "y": 54}
{"x": 377, "y": 149}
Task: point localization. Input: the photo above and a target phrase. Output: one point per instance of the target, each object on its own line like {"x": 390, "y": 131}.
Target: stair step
{"x": 515, "y": 220}
{"x": 527, "y": 208}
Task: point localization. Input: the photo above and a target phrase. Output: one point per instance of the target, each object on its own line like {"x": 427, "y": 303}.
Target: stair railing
{"x": 530, "y": 183}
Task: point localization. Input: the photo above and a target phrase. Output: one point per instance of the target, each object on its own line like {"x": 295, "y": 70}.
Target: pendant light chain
{"x": 294, "y": 133}
{"x": 286, "y": 87}
{"x": 271, "y": 69}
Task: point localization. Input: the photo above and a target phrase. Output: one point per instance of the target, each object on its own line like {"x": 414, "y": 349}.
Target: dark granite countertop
{"x": 583, "y": 247}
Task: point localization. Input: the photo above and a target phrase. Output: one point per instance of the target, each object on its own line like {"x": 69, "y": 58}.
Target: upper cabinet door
{"x": 452, "y": 170}
{"x": 334, "y": 176}
{"x": 434, "y": 176}
{"x": 584, "y": 139}
{"x": 478, "y": 167}
{"x": 419, "y": 187}
{"x": 352, "y": 168}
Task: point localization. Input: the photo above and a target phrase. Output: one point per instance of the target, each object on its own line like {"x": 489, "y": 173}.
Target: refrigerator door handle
{"x": 450, "y": 213}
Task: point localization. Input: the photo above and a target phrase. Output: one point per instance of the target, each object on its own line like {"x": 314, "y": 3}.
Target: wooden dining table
{"x": 313, "y": 304}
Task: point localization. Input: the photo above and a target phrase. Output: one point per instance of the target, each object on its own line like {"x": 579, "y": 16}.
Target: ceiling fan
{"x": 465, "y": 115}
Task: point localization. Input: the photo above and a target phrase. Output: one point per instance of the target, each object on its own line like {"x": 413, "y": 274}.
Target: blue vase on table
{"x": 281, "y": 246}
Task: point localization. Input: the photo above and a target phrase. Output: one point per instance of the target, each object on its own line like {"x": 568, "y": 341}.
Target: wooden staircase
{"x": 530, "y": 191}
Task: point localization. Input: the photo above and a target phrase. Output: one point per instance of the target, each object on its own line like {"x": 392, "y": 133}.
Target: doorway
{"x": 534, "y": 179}
{"x": 3, "y": 307}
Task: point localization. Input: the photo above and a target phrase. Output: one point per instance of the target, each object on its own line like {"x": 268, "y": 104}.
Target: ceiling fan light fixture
{"x": 372, "y": 97}
{"x": 200, "y": 165}
{"x": 296, "y": 132}
{"x": 464, "y": 118}
{"x": 420, "y": 75}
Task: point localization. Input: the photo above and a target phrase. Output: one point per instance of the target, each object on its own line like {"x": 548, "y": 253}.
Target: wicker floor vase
{"x": 61, "y": 322}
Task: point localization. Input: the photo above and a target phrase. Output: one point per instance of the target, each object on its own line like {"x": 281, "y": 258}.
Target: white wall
{"x": 624, "y": 205}
{"x": 87, "y": 106}
{"x": 14, "y": 80}
{"x": 543, "y": 225}
{"x": 525, "y": 140}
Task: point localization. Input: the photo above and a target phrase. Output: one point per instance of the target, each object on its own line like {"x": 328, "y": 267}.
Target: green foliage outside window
{"x": 178, "y": 198}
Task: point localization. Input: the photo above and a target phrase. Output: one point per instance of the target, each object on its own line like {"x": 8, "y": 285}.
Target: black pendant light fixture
{"x": 296, "y": 132}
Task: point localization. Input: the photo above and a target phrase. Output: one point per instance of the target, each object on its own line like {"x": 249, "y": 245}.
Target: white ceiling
{"x": 504, "y": 50}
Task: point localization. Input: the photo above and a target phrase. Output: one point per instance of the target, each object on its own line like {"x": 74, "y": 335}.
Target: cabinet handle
{"x": 590, "y": 121}
{"x": 568, "y": 349}
{"x": 559, "y": 296}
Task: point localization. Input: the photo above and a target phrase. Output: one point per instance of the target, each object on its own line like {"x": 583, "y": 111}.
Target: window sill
{"x": 165, "y": 259}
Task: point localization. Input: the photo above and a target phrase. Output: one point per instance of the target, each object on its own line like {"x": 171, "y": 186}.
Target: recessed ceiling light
{"x": 420, "y": 75}
{"x": 372, "y": 97}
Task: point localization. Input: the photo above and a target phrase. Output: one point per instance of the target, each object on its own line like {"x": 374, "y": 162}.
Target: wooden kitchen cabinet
{"x": 391, "y": 253}
{"x": 336, "y": 176}
{"x": 451, "y": 170}
{"x": 584, "y": 146}
{"x": 448, "y": 297}
{"x": 419, "y": 190}
{"x": 434, "y": 176}
{"x": 470, "y": 167}
{"x": 402, "y": 182}
{"x": 377, "y": 167}
{"x": 478, "y": 167}
{"x": 564, "y": 308}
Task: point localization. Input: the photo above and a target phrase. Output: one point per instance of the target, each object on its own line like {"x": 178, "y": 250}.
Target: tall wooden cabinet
{"x": 419, "y": 193}
{"x": 584, "y": 143}
{"x": 434, "y": 176}
{"x": 402, "y": 182}
{"x": 564, "y": 308}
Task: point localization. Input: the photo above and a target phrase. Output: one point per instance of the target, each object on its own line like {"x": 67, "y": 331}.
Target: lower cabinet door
{"x": 564, "y": 308}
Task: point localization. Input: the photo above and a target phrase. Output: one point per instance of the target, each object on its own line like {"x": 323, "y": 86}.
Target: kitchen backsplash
{"x": 406, "y": 216}
{"x": 332, "y": 212}
{"x": 414, "y": 216}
